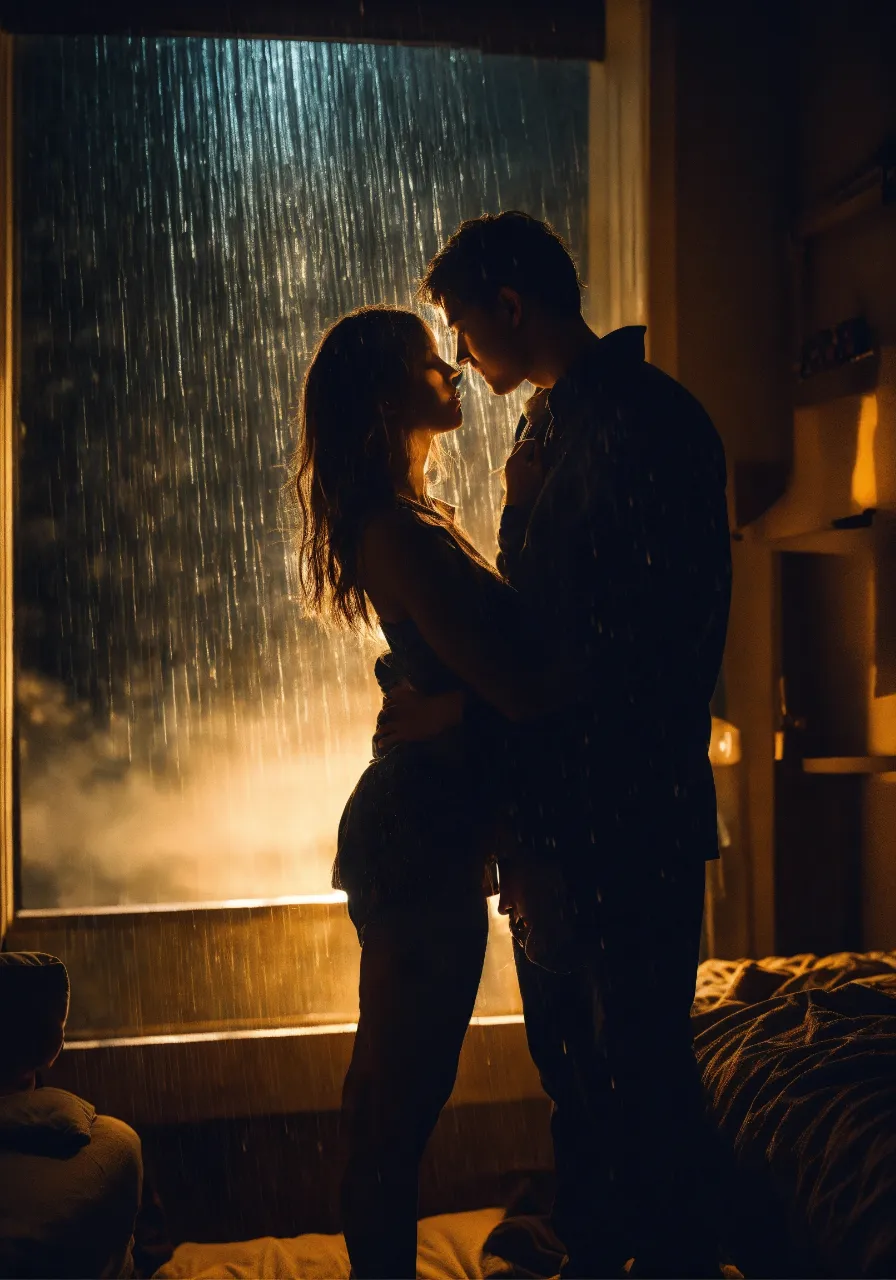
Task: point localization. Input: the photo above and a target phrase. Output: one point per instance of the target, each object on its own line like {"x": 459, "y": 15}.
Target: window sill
{"x": 205, "y": 970}
{"x": 184, "y": 1079}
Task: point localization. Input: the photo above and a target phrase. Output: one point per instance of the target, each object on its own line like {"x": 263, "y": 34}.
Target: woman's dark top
{"x": 416, "y": 827}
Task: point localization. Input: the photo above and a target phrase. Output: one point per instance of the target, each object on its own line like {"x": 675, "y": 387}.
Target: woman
{"x": 413, "y": 841}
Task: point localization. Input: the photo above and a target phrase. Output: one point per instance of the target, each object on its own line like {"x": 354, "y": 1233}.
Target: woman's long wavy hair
{"x": 348, "y": 448}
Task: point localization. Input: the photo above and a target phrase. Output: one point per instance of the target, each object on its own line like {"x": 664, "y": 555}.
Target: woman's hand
{"x": 524, "y": 474}
{"x": 409, "y": 716}
{"x": 535, "y": 895}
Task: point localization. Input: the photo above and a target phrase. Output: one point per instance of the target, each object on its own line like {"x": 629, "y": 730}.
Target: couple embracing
{"x": 545, "y": 729}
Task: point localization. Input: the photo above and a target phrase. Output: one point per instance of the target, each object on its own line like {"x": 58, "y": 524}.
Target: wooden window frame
{"x": 617, "y": 218}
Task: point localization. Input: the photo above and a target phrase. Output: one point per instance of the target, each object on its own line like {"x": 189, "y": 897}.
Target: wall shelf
{"x": 831, "y": 541}
{"x": 849, "y": 764}
{"x": 871, "y": 188}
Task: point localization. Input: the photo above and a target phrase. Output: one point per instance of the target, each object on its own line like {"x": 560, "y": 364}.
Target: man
{"x": 618, "y": 543}
{"x": 70, "y": 1180}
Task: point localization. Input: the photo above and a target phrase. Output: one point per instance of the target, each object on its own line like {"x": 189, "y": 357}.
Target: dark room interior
{"x": 190, "y": 195}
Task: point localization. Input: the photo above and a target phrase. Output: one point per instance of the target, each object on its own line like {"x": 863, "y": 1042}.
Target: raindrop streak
{"x": 192, "y": 214}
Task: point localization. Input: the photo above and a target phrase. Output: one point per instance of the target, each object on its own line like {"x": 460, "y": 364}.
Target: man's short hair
{"x": 505, "y": 250}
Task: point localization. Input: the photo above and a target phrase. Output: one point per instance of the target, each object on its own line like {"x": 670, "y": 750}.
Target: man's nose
{"x": 463, "y": 354}
{"x": 456, "y": 377}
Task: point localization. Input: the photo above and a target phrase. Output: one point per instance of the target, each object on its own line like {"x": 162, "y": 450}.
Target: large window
{"x": 191, "y": 214}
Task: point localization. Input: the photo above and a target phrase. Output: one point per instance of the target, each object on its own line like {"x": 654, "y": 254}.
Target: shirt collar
{"x": 615, "y": 350}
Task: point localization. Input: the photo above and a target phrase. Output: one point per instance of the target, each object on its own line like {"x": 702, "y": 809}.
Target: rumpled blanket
{"x": 799, "y": 1063}
{"x": 798, "y": 1055}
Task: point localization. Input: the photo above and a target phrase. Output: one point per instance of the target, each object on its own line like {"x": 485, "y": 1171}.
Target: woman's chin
{"x": 453, "y": 424}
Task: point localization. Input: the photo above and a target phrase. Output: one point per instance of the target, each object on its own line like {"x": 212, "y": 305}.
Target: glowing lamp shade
{"x": 724, "y": 743}
{"x": 864, "y": 474}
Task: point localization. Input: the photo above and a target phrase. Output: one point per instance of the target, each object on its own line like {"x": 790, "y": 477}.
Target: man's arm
{"x": 569, "y": 563}
{"x": 511, "y": 540}
{"x": 625, "y": 561}
{"x": 523, "y": 482}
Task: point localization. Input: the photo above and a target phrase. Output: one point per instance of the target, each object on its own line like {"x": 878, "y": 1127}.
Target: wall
{"x": 757, "y": 111}
{"x": 719, "y": 211}
{"x": 6, "y": 485}
{"x": 846, "y": 110}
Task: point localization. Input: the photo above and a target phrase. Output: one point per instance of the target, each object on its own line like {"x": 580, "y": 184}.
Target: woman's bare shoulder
{"x": 392, "y": 540}
{"x": 400, "y": 550}
{"x": 388, "y": 529}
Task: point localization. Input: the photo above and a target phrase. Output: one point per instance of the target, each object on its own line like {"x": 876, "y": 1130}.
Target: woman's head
{"x": 376, "y": 394}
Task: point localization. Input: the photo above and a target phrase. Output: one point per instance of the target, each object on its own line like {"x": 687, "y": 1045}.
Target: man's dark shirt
{"x": 624, "y": 565}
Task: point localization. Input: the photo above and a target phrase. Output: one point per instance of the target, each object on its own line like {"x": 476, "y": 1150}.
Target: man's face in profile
{"x": 488, "y": 340}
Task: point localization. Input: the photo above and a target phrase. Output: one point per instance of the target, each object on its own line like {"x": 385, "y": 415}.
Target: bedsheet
{"x": 798, "y": 1056}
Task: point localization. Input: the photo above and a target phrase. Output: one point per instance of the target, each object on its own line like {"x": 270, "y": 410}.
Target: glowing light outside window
{"x": 192, "y": 213}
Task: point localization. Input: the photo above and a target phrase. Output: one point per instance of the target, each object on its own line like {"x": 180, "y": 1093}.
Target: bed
{"x": 799, "y": 1063}
{"x": 798, "y": 1056}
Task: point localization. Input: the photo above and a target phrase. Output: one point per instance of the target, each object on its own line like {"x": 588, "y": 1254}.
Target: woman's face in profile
{"x": 433, "y": 402}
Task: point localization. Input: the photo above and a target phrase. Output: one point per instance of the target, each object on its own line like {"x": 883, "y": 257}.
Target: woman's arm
{"x": 410, "y": 565}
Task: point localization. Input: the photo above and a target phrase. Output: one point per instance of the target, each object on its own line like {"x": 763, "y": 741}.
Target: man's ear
{"x": 512, "y": 304}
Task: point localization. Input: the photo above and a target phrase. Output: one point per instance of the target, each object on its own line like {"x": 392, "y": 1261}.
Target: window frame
{"x": 618, "y": 148}
{"x": 561, "y": 29}
{"x": 7, "y": 489}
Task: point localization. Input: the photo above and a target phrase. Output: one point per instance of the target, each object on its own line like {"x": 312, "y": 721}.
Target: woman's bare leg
{"x": 420, "y": 971}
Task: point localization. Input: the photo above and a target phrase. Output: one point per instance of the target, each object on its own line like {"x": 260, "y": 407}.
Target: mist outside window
{"x": 191, "y": 214}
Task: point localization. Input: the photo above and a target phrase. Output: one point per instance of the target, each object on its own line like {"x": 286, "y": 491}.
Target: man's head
{"x": 34, "y": 995}
{"x": 501, "y": 279}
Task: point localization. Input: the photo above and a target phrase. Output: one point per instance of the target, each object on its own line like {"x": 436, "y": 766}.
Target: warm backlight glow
{"x": 724, "y": 743}
{"x": 864, "y": 474}
{"x": 185, "y": 732}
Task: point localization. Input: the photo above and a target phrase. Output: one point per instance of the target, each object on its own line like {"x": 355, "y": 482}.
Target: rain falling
{"x": 192, "y": 214}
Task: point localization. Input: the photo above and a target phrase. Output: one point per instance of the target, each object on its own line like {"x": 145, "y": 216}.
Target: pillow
{"x": 45, "y": 1122}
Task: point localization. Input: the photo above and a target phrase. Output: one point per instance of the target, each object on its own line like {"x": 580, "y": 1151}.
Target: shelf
{"x": 864, "y": 192}
{"x": 849, "y": 764}
{"x": 830, "y": 541}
